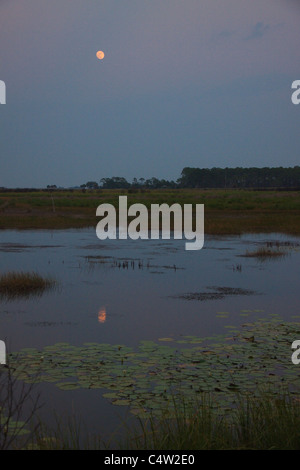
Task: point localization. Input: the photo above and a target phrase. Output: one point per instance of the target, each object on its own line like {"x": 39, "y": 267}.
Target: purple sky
{"x": 198, "y": 83}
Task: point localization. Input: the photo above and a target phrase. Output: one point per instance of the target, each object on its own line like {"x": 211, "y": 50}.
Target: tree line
{"x": 260, "y": 178}
{"x": 203, "y": 178}
{"x": 117, "y": 182}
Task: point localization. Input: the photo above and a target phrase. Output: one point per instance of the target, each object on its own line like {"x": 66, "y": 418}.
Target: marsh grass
{"x": 67, "y": 435}
{"x": 265, "y": 253}
{"x": 21, "y": 284}
{"x": 19, "y": 405}
{"x": 226, "y": 211}
{"x": 262, "y": 423}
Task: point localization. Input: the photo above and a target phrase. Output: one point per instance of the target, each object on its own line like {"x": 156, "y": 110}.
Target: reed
{"x": 263, "y": 423}
{"x": 264, "y": 253}
{"x": 19, "y": 406}
{"x": 14, "y": 284}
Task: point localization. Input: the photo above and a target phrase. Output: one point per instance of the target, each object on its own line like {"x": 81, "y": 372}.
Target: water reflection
{"x": 102, "y": 315}
{"x": 145, "y": 284}
{"x": 152, "y": 290}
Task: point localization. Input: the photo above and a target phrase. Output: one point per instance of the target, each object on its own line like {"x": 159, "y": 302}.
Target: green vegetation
{"x": 266, "y": 177}
{"x": 265, "y": 253}
{"x": 252, "y": 177}
{"x": 272, "y": 250}
{"x": 230, "y": 211}
{"x": 19, "y": 407}
{"x": 235, "y": 391}
{"x": 263, "y": 423}
{"x": 151, "y": 378}
{"x": 21, "y": 284}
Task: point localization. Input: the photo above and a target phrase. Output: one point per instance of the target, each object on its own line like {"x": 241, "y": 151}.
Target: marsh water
{"x": 125, "y": 291}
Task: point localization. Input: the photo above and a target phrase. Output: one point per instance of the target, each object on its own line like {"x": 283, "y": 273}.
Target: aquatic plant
{"x": 15, "y": 284}
{"x": 216, "y": 293}
{"x": 19, "y": 405}
{"x": 265, "y": 253}
{"x": 252, "y": 424}
{"x": 154, "y": 376}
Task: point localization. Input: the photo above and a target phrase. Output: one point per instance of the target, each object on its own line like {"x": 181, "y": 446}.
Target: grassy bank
{"x": 226, "y": 211}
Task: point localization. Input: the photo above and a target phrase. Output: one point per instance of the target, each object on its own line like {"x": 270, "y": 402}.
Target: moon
{"x": 100, "y": 55}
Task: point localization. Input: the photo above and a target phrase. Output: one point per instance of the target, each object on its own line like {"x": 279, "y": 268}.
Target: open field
{"x": 226, "y": 211}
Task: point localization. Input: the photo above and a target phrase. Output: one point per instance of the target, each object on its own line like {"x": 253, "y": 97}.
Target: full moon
{"x": 100, "y": 55}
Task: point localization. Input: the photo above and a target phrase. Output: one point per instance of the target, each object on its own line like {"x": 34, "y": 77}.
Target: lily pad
{"x": 149, "y": 376}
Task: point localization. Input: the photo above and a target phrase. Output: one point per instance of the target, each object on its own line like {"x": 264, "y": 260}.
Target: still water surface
{"x": 125, "y": 291}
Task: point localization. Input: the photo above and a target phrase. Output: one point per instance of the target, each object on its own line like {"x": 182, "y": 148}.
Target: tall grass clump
{"x": 265, "y": 253}
{"x": 255, "y": 423}
{"x": 19, "y": 405}
{"x": 262, "y": 423}
{"x": 14, "y": 284}
{"x": 268, "y": 423}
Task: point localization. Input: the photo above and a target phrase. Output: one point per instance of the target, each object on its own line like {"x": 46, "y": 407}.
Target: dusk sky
{"x": 199, "y": 83}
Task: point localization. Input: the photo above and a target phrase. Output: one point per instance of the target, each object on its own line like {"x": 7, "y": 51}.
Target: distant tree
{"x": 240, "y": 177}
{"x": 215, "y": 177}
{"x": 92, "y": 185}
{"x": 116, "y": 182}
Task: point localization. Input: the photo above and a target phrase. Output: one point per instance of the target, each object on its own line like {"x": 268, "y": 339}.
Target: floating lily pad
{"x": 148, "y": 377}
{"x": 68, "y": 386}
